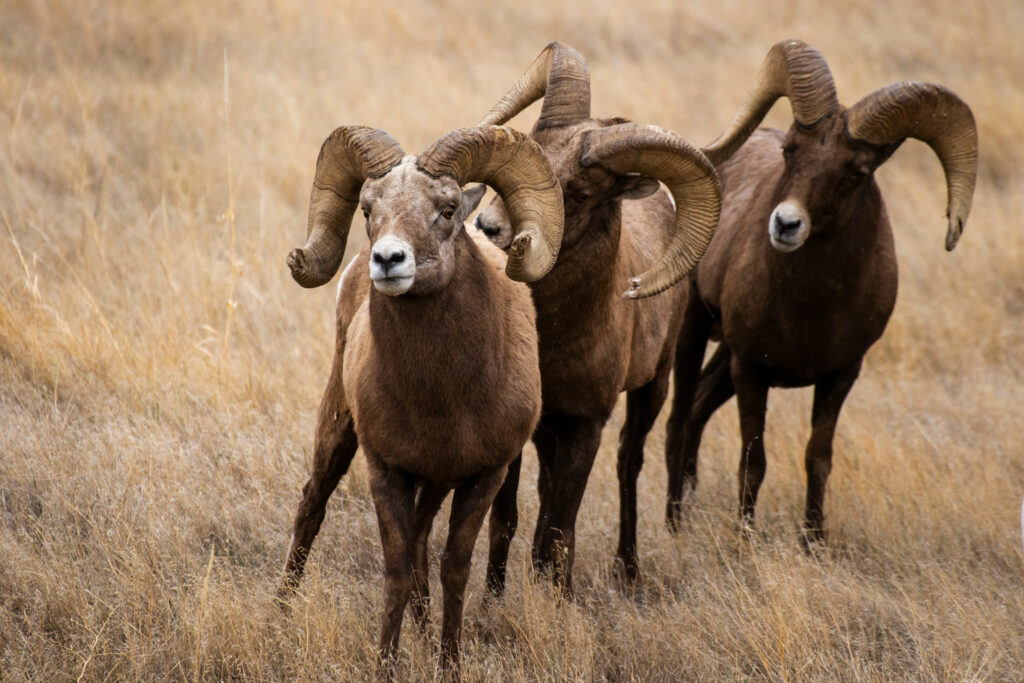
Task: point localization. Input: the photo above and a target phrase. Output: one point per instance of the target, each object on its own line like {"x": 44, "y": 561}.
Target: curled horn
{"x": 560, "y": 75}
{"x": 791, "y": 69}
{"x": 349, "y": 156}
{"x": 689, "y": 176}
{"x": 934, "y": 115}
{"x": 517, "y": 169}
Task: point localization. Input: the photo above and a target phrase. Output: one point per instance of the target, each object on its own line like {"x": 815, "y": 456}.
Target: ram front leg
{"x": 394, "y": 498}
{"x": 427, "y": 504}
{"x": 469, "y": 507}
{"x": 752, "y": 400}
{"x": 829, "y": 394}
{"x": 502, "y": 528}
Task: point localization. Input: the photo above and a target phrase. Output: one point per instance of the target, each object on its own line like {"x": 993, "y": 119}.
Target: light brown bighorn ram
{"x": 593, "y": 344}
{"x": 436, "y": 371}
{"x": 800, "y": 278}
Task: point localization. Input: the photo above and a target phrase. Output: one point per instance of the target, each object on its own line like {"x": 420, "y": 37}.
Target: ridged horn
{"x": 349, "y": 156}
{"x": 934, "y": 115}
{"x": 689, "y": 176}
{"x": 792, "y": 69}
{"x": 560, "y": 75}
{"x": 517, "y": 169}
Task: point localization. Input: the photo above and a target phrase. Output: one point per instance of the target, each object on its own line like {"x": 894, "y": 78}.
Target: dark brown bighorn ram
{"x": 593, "y": 344}
{"x": 800, "y": 278}
{"x": 436, "y": 369}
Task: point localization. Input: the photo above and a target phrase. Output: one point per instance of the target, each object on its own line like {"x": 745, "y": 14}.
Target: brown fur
{"x": 593, "y": 346}
{"x": 421, "y": 390}
{"x": 806, "y": 317}
{"x": 436, "y": 409}
{"x": 439, "y": 385}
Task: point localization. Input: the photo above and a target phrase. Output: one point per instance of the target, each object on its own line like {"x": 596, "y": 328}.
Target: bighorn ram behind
{"x": 800, "y": 278}
{"x": 436, "y": 370}
{"x": 593, "y": 344}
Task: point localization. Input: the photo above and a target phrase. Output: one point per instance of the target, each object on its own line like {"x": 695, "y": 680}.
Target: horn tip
{"x": 956, "y": 228}
{"x": 529, "y": 260}
{"x": 633, "y": 293}
{"x": 296, "y": 261}
{"x": 299, "y": 268}
{"x": 519, "y": 245}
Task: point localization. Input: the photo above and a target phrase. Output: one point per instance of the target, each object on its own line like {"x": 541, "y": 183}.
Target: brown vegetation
{"x": 160, "y": 371}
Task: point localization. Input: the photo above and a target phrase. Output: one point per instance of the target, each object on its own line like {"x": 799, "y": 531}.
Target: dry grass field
{"x": 160, "y": 371}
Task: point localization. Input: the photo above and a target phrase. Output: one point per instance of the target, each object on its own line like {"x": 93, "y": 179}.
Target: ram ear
{"x": 471, "y": 199}
{"x": 633, "y": 186}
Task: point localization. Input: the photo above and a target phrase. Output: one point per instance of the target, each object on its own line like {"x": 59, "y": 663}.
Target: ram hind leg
{"x": 714, "y": 389}
{"x": 545, "y": 439}
{"x": 642, "y": 407}
{"x": 829, "y": 394}
{"x": 502, "y": 528}
{"x": 680, "y": 462}
{"x": 333, "y": 449}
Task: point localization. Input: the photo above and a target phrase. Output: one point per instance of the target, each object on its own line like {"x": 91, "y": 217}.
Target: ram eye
{"x": 787, "y": 150}
{"x": 448, "y": 212}
{"x": 580, "y": 197}
{"x": 366, "y": 214}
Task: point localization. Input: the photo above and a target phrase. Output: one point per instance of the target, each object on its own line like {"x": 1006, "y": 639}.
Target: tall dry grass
{"x": 159, "y": 371}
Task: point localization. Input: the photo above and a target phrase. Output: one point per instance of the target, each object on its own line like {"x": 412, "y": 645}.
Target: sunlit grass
{"x": 160, "y": 371}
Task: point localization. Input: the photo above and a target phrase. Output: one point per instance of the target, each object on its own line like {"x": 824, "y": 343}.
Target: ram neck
{"x": 583, "y": 282}
{"x": 435, "y": 346}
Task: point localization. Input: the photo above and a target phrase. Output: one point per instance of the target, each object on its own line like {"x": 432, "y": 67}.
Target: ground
{"x": 160, "y": 372}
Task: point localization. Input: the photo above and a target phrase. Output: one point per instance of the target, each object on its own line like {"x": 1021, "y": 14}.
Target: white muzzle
{"x": 789, "y": 226}
{"x": 392, "y": 265}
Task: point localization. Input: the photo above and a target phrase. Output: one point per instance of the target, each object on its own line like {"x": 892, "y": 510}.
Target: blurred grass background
{"x": 160, "y": 371}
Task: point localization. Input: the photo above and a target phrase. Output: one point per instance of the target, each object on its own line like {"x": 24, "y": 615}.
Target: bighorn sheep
{"x": 436, "y": 371}
{"x": 594, "y": 345}
{"x": 802, "y": 304}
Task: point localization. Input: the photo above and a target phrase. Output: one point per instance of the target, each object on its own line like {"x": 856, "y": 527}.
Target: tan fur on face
{"x": 407, "y": 204}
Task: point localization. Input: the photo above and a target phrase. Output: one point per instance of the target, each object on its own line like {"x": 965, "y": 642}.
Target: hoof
{"x": 812, "y": 540}
{"x": 627, "y": 577}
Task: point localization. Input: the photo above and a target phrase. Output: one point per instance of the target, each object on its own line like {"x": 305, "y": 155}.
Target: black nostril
{"x": 391, "y": 259}
{"x": 785, "y": 225}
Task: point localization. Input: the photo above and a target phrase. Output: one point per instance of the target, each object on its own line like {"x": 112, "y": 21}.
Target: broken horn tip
{"x": 634, "y": 289}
